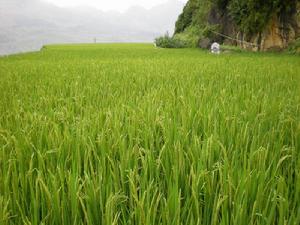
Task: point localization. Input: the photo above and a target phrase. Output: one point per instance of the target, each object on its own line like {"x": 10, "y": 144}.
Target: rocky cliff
{"x": 251, "y": 24}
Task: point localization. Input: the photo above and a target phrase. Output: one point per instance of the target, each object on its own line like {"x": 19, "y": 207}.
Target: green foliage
{"x": 131, "y": 134}
{"x": 194, "y": 14}
{"x": 251, "y": 16}
{"x": 221, "y": 4}
{"x": 192, "y": 23}
{"x": 190, "y": 36}
{"x": 186, "y": 18}
{"x": 294, "y": 47}
{"x": 170, "y": 42}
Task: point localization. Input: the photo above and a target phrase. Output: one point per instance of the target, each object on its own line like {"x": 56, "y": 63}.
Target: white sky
{"x": 119, "y": 5}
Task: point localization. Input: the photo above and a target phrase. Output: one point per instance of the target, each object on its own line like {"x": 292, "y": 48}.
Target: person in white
{"x": 215, "y": 48}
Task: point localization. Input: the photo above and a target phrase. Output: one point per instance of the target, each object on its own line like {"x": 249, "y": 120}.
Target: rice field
{"x": 131, "y": 134}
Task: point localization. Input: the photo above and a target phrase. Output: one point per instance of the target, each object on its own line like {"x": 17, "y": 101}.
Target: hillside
{"x": 252, "y": 24}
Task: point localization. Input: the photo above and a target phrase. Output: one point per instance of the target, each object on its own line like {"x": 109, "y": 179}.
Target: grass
{"x": 130, "y": 134}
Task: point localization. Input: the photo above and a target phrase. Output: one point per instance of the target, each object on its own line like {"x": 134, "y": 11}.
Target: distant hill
{"x": 28, "y": 24}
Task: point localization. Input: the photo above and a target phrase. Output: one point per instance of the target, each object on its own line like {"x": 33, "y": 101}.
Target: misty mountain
{"x": 27, "y": 25}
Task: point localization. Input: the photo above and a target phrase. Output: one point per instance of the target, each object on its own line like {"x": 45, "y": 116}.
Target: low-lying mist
{"x": 29, "y": 24}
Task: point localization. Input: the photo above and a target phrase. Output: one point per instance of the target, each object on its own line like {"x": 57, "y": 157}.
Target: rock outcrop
{"x": 280, "y": 29}
{"x": 276, "y": 36}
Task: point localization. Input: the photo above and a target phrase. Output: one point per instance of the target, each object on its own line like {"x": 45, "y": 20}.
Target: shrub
{"x": 294, "y": 47}
{"x": 170, "y": 42}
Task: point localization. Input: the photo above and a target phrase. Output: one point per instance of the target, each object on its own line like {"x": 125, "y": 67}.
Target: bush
{"x": 294, "y": 47}
{"x": 170, "y": 42}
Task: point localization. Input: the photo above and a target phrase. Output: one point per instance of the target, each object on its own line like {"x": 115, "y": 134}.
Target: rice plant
{"x": 132, "y": 134}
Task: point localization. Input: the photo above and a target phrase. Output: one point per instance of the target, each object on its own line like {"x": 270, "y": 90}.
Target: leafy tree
{"x": 186, "y": 18}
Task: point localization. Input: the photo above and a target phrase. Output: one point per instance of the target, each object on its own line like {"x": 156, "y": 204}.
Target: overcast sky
{"x": 119, "y": 5}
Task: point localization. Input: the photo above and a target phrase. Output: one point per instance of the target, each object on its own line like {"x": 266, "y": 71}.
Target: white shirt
{"x": 215, "y": 47}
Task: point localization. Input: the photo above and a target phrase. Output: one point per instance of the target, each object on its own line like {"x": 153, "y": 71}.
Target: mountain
{"x": 26, "y": 25}
{"x": 251, "y": 24}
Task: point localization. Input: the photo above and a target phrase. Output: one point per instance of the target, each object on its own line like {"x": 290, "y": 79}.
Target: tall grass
{"x": 130, "y": 134}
